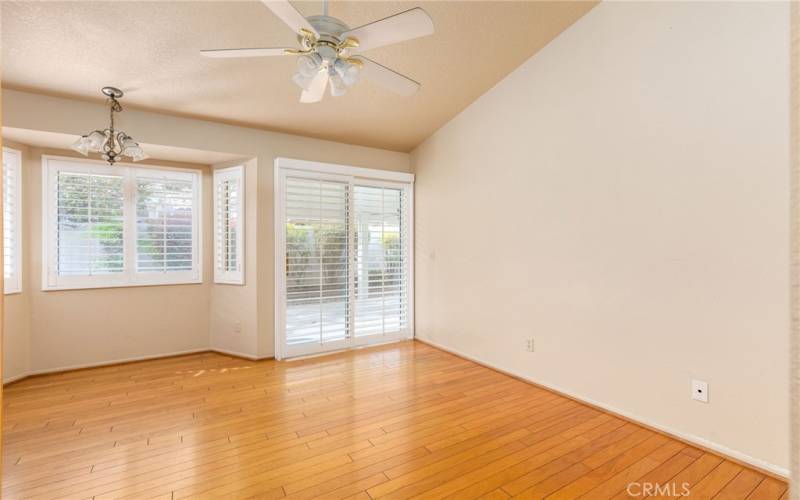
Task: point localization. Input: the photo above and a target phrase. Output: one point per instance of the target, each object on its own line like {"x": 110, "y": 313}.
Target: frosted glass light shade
{"x": 91, "y": 143}
{"x": 309, "y": 64}
{"x": 338, "y": 88}
{"x": 96, "y": 140}
{"x": 138, "y": 154}
{"x": 81, "y": 145}
{"x": 347, "y": 71}
{"x": 132, "y": 149}
{"x": 303, "y": 81}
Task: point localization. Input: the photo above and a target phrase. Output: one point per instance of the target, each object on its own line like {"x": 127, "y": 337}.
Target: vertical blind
{"x": 90, "y": 224}
{"x": 347, "y": 260}
{"x": 164, "y": 219}
{"x": 11, "y": 220}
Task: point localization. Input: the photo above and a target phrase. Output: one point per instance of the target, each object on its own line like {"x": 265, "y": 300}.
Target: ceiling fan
{"x": 331, "y": 52}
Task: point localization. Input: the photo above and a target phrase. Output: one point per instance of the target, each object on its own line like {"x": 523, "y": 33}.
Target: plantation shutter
{"x": 344, "y": 257}
{"x": 11, "y": 221}
{"x": 165, "y": 221}
{"x": 229, "y": 225}
{"x": 381, "y": 260}
{"x": 119, "y": 225}
{"x": 317, "y": 268}
{"x": 89, "y": 224}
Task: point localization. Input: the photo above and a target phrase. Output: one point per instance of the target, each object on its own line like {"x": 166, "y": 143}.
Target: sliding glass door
{"x": 343, "y": 244}
{"x": 381, "y": 304}
{"x": 317, "y": 266}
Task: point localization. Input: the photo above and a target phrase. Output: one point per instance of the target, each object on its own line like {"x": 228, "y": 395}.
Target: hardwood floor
{"x": 397, "y": 421}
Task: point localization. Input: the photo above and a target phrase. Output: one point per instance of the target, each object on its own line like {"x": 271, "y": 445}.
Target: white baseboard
{"x": 8, "y": 380}
{"x": 337, "y": 351}
{"x": 239, "y": 354}
{"x": 102, "y": 363}
{"x": 21, "y": 376}
{"x": 689, "y": 438}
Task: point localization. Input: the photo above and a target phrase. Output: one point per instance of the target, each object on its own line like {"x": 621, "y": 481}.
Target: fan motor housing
{"x": 329, "y": 28}
{"x": 330, "y": 32}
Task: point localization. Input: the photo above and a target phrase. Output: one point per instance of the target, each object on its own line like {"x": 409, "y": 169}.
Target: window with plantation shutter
{"x": 12, "y": 208}
{"x": 164, "y": 222}
{"x": 343, "y": 257}
{"x": 89, "y": 224}
{"x": 119, "y": 225}
{"x": 229, "y": 225}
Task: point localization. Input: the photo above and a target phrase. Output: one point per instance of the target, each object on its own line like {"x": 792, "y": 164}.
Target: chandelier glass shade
{"x": 112, "y": 144}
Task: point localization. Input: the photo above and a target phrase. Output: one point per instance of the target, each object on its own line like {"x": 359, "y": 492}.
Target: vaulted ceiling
{"x": 150, "y": 50}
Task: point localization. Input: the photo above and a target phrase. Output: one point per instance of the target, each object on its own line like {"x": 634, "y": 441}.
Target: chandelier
{"x": 110, "y": 143}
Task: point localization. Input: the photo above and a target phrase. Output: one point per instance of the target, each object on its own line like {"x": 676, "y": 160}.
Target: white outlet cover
{"x": 700, "y": 391}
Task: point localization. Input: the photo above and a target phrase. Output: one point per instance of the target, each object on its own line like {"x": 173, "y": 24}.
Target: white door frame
{"x": 285, "y": 167}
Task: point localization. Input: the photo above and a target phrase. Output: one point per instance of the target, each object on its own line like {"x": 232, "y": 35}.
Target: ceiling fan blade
{"x": 317, "y": 88}
{"x": 277, "y": 51}
{"x": 289, "y": 15}
{"x": 388, "y": 78}
{"x": 406, "y": 25}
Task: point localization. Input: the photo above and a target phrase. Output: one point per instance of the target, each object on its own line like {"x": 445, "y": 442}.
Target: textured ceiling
{"x": 150, "y": 50}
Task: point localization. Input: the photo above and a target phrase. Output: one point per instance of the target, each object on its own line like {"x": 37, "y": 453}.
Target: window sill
{"x": 98, "y": 286}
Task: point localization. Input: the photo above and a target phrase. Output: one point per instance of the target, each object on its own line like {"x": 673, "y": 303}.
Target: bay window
{"x": 106, "y": 226}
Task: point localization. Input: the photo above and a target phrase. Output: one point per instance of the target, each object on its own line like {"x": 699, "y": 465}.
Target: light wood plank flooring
{"x": 397, "y": 421}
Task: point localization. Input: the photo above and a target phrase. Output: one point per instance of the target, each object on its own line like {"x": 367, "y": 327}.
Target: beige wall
{"x": 795, "y": 215}
{"x": 622, "y": 198}
{"x": 81, "y": 341}
{"x": 82, "y": 327}
{"x": 234, "y": 310}
{"x": 17, "y": 310}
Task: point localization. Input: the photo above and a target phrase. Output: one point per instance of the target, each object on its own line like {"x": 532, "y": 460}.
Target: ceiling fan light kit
{"x": 348, "y": 71}
{"x": 110, "y": 143}
{"x": 331, "y": 52}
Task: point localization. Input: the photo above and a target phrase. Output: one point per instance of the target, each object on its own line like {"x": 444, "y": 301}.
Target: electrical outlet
{"x": 237, "y": 327}
{"x": 700, "y": 391}
{"x": 529, "y": 346}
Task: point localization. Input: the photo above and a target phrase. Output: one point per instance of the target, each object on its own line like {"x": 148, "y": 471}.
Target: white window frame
{"x": 222, "y": 276}
{"x": 52, "y": 165}
{"x": 13, "y": 284}
{"x": 288, "y": 167}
